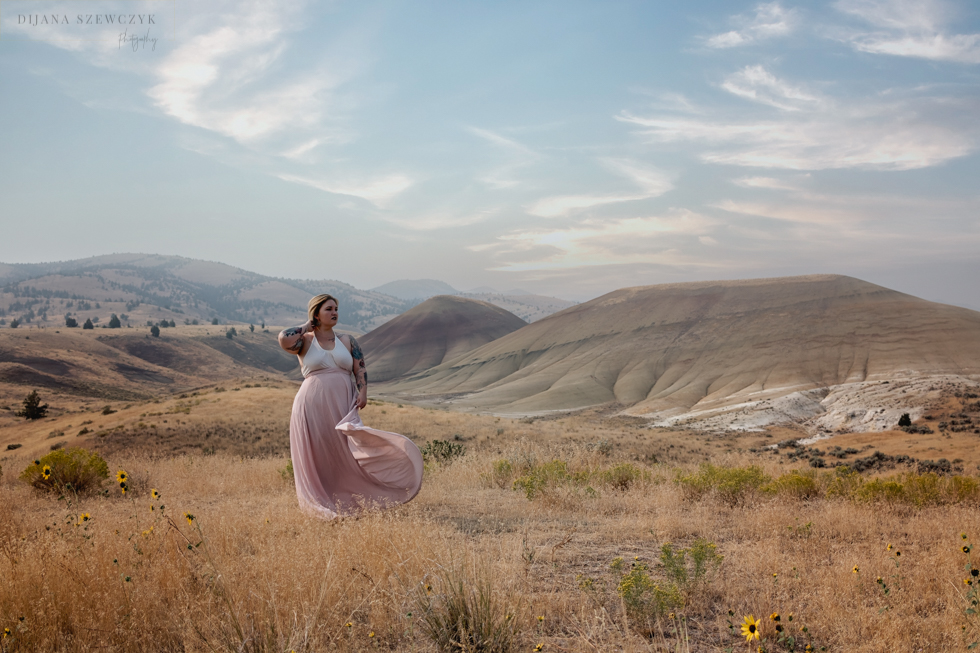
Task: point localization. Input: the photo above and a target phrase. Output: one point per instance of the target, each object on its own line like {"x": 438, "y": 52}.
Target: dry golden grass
{"x": 267, "y": 578}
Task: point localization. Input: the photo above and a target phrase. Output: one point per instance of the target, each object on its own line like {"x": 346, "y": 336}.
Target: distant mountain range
{"x": 147, "y": 287}
{"x": 141, "y": 288}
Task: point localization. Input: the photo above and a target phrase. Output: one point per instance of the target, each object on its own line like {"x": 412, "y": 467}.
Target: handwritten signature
{"x": 137, "y": 42}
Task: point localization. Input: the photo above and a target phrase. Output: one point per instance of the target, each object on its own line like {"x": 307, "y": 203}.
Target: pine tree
{"x": 33, "y": 408}
{"x": 114, "y": 322}
{"x": 88, "y": 324}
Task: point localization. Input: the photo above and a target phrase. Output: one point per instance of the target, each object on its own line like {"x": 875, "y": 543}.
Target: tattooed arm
{"x": 359, "y": 372}
{"x": 292, "y": 340}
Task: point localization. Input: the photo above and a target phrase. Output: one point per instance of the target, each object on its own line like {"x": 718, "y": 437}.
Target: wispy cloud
{"x": 770, "y": 20}
{"x": 601, "y": 242}
{"x": 649, "y": 181}
{"x": 759, "y": 85}
{"x": 228, "y": 77}
{"x": 378, "y": 191}
{"x": 815, "y": 133}
{"x": 519, "y": 156}
{"x": 910, "y": 28}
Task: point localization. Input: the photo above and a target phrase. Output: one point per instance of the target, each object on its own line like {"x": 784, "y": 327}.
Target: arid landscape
{"x": 639, "y": 472}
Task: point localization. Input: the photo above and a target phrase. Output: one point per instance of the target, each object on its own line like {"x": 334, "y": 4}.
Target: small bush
{"x": 621, "y": 477}
{"x": 905, "y": 420}
{"x": 731, "y": 484}
{"x": 287, "y": 472}
{"x": 703, "y": 557}
{"x": 796, "y": 484}
{"x": 75, "y": 469}
{"x": 442, "y": 452}
{"x": 542, "y": 476}
{"x": 645, "y": 600}
{"x": 500, "y": 475}
{"x": 466, "y": 616}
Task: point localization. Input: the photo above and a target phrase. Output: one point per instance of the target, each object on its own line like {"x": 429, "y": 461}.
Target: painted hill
{"x": 149, "y": 287}
{"x": 690, "y": 348}
{"x": 437, "y": 330}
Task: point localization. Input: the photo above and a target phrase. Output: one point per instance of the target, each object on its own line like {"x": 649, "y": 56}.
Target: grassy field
{"x": 557, "y": 527}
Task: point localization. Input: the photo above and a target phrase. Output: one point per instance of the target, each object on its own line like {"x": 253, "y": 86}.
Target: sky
{"x": 566, "y": 148}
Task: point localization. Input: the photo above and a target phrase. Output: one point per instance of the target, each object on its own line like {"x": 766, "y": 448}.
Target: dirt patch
{"x": 138, "y": 374}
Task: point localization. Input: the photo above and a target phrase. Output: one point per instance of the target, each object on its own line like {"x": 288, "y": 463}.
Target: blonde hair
{"x": 314, "y": 306}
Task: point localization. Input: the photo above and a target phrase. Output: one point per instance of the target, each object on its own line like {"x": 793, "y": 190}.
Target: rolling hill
{"x": 437, "y": 330}
{"x": 147, "y": 287}
{"x": 694, "y": 349}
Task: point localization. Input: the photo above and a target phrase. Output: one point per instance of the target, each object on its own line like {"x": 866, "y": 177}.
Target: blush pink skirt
{"x": 341, "y": 466}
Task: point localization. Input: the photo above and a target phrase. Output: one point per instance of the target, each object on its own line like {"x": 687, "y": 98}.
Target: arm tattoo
{"x": 360, "y": 369}
{"x": 292, "y": 332}
{"x": 355, "y": 351}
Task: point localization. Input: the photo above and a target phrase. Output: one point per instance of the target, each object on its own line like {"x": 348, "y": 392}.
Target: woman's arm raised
{"x": 291, "y": 339}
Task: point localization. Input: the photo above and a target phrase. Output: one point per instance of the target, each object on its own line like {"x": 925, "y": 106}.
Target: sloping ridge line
{"x": 676, "y": 346}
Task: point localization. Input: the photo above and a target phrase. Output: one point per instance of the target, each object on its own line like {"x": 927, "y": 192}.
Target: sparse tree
{"x": 14, "y": 323}
{"x": 114, "y": 322}
{"x": 905, "y": 420}
{"x": 251, "y": 328}
{"x": 88, "y": 324}
{"x": 70, "y": 322}
{"x": 231, "y": 333}
{"x": 172, "y": 323}
{"x": 155, "y": 331}
{"x": 214, "y": 321}
{"x": 33, "y": 408}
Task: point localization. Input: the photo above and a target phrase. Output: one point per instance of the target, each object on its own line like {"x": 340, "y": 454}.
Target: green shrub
{"x": 75, "y": 469}
{"x": 442, "y": 452}
{"x": 731, "y": 484}
{"x": 501, "y": 473}
{"x": 287, "y": 472}
{"x": 796, "y": 484}
{"x": 542, "y": 476}
{"x": 645, "y": 600}
{"x": 622, "y": 476}
{"x": 689, "y": 568}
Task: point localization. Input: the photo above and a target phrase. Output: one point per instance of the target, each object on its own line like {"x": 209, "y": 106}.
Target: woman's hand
{"x": 362, "y": 398}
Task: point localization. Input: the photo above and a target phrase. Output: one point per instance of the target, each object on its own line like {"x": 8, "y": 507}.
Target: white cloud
{"x": 770, "y": 20}
{"x": 600, "y": 242}
{"x": 504, "y": 176}
{"x": 651, "y": 183}
{"x": 378, "y": 191}
{"x": 759, "y": 85}
{"x": 227, "y": 77}
{"x": 910, "y": 28}
{"x": 817, "y": 133}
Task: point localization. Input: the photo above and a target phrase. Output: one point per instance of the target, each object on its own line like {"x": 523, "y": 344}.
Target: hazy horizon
{"x": 568, "y": 149}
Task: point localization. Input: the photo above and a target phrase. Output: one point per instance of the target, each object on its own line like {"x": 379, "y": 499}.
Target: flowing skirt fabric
{"x": 340, "y": 465}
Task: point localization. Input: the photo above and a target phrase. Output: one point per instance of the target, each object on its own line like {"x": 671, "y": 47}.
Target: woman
{"x": 340, "y": 465}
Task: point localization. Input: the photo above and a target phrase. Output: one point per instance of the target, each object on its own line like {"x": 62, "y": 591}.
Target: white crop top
{"x": 318, "y": 358}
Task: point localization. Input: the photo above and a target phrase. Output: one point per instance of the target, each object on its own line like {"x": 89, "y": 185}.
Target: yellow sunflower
{"x": 774, "y": 616}
{"x": 122, "y": 476}
{"x": 189, "y": 517}
{"x": 46, "y": 472}
{"x": 539, "y": 647}
{"x": 750, "y": 628}
{"x": 85, "y": 517}
{"x": 154, "y": 493}
{"x": 856, "y": 569}
{"x": 889, "y": 547}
